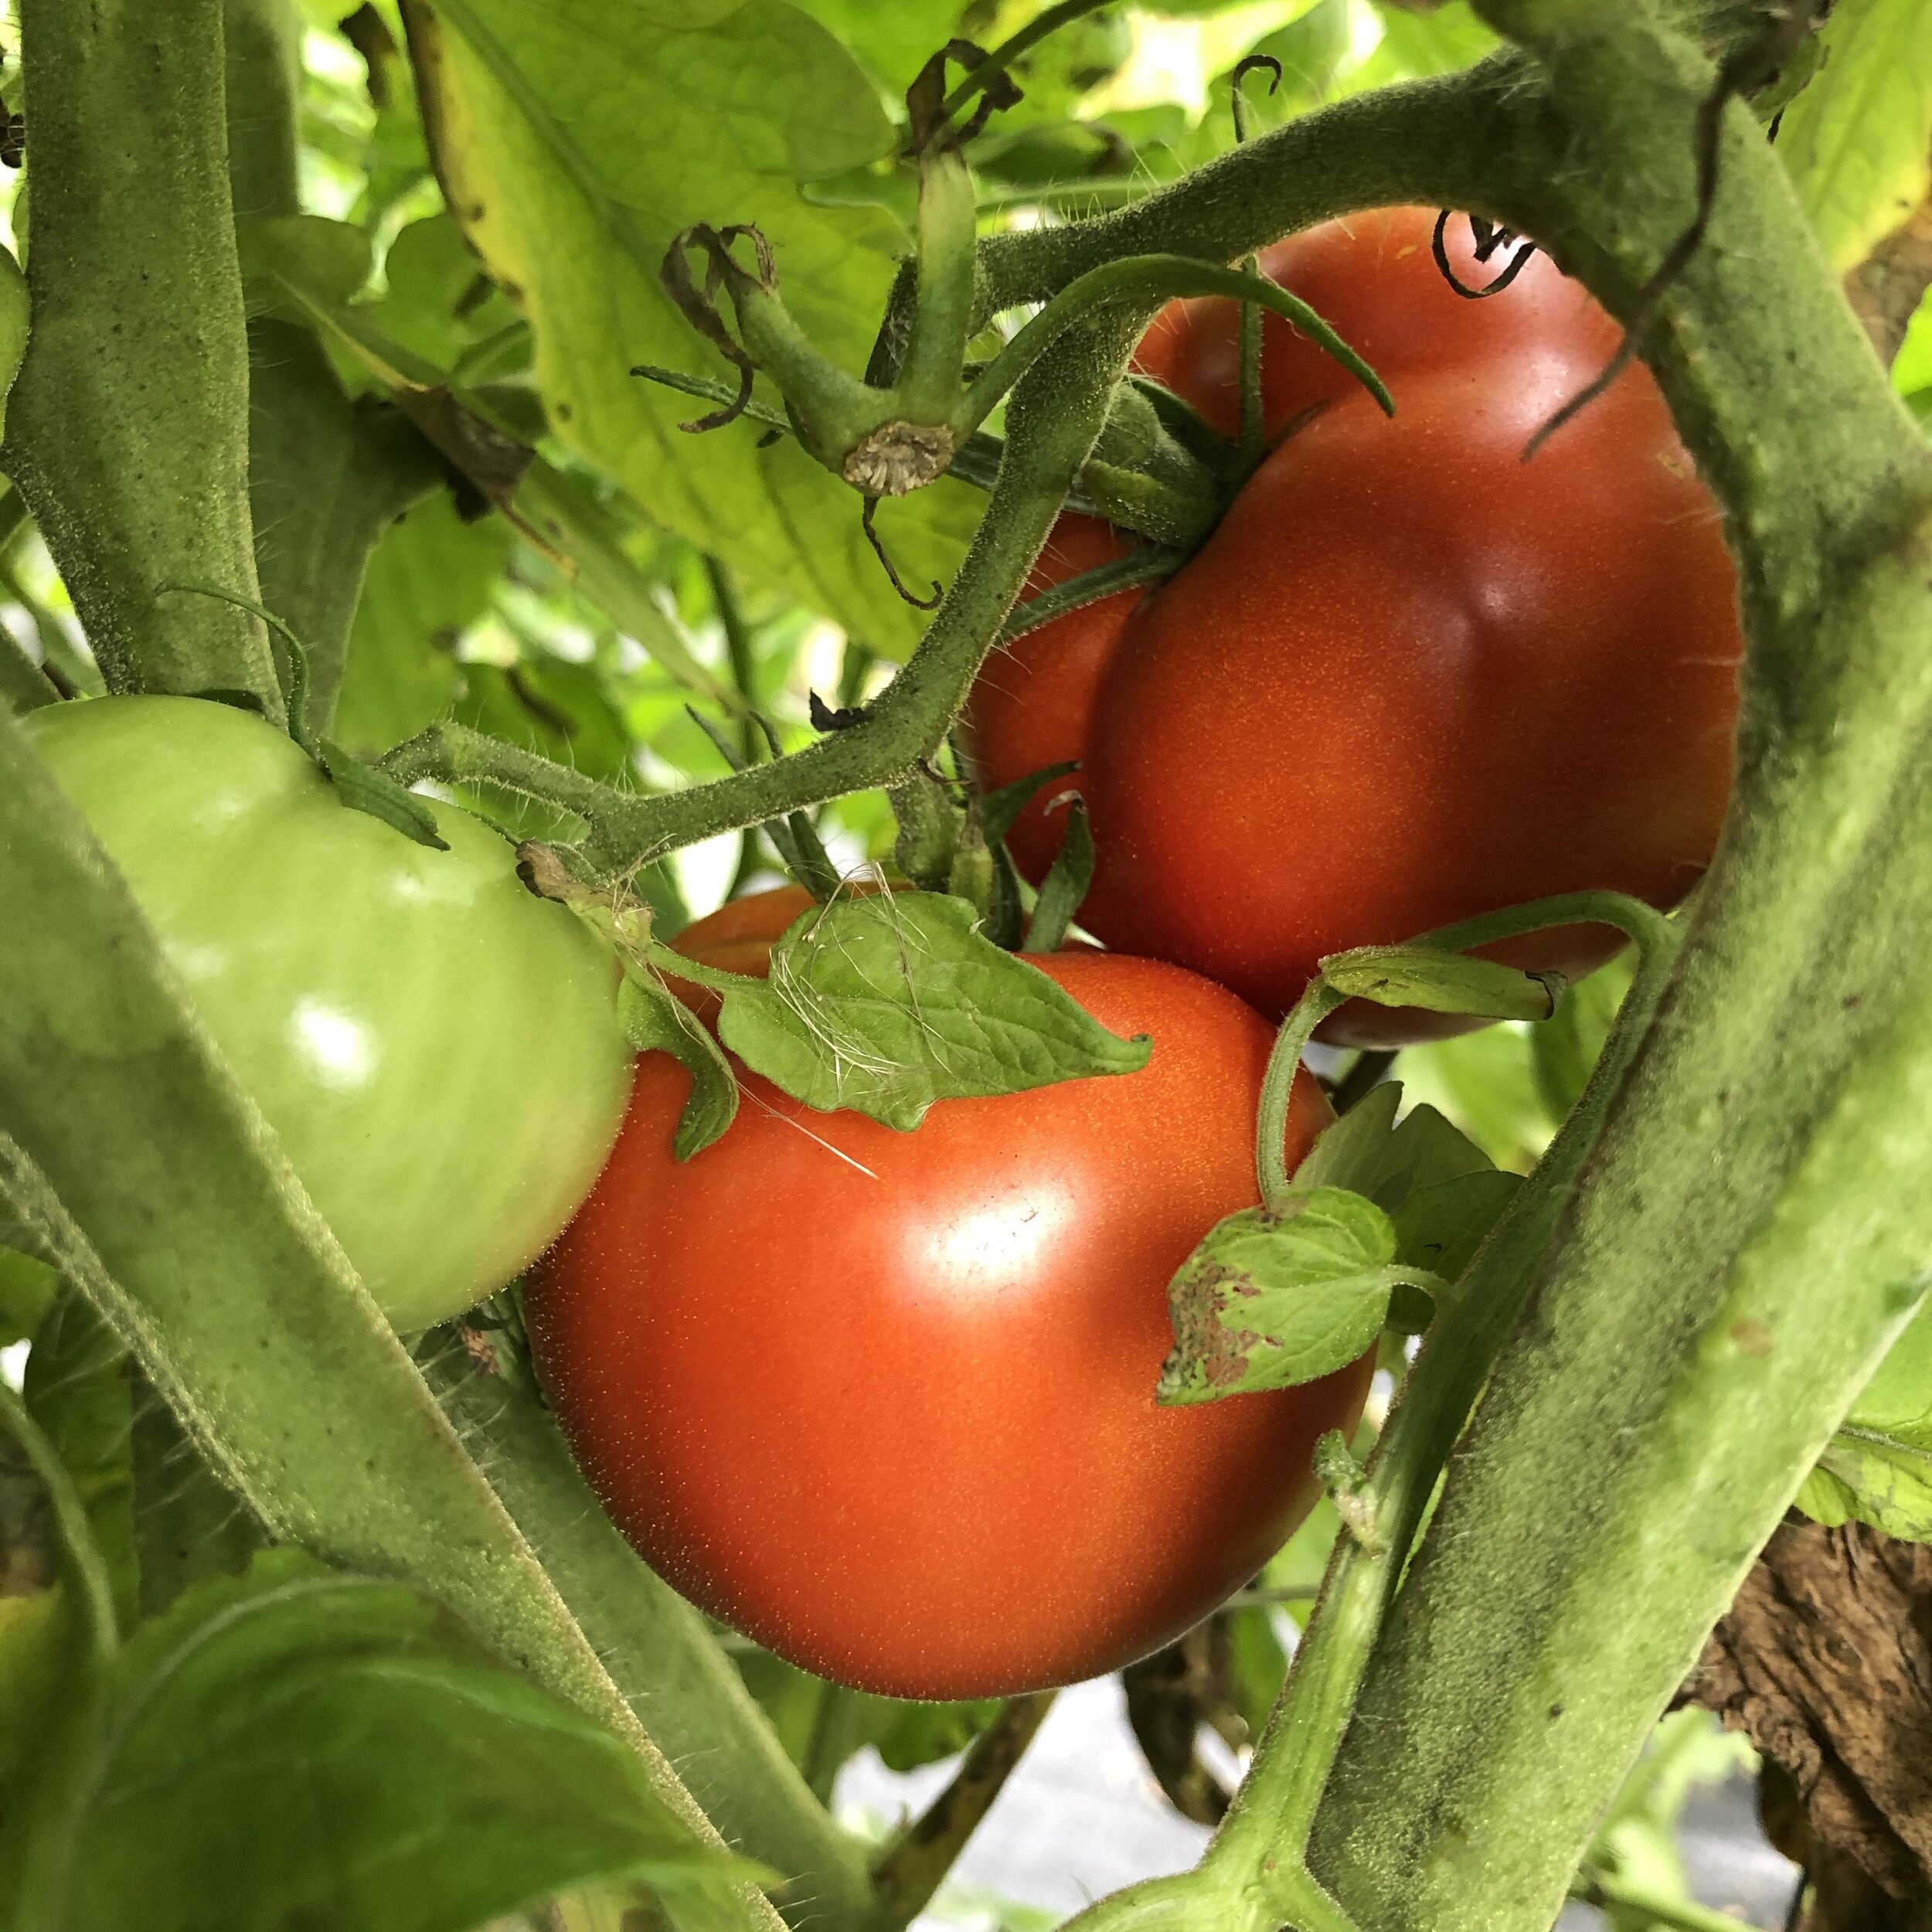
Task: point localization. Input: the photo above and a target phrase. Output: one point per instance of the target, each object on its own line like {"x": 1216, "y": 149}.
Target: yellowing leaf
{"x": 1857, "y": 140}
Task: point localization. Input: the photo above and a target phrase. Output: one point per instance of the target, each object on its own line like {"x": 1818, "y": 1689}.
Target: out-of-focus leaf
{"x": 1414, "y": 44}
{"x": 27, "y": 1289}
{"x": 76, "y": 1388}
{"x": 887, "y": 1003}
{"x": 1484, "y": 1082}
{"x": 310, "y": 1748}
{"x": 428, "y": 579}
{"x": 891, "y": 43}
{"x": 1368, "y": 1151}
{"x": 1887, "y": 1484}
{"x": 1857, "y": 140}
{"x": 578, "y": 141}
{"x": 1563, "y": 1049}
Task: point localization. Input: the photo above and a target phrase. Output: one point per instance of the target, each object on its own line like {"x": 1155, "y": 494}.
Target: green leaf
{"x": 653, "y": 1017}
{"x": 1270, "y": 1299}
{"x": 1887, "y": 1484}
{"x": 578, "y": 141}
{"x": 1897, "y": 1401}
{"x": 76, "y": 1388}
{"x": 308, "y": 1748}
{"x": 13, "y": 326}
{"x": 331, "y": 259}
{"x": 1442, "y": 982}
{"x": 1366, "y": 1152}
{"x": 1439, "y": 1226}
{"x": 27, "y": 1289}
{"x": 428, "y": 579}
{"x": 888, "y": 1003}
{"x": 362, "y": 788}
{"x": 1857, "y": 140}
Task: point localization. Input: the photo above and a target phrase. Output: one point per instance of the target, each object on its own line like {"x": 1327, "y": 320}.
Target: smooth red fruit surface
{"x": 885, "y": 1401}
{"x": 1411, "y": 678}
{"x": 1032, "y": 697}
{"x": 1372, "y": 277}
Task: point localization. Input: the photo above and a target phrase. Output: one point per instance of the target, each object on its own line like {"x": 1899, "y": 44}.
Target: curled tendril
{"x": 697, "y": 301}
{"x": 1489, "y": 239}
{"x": 1251, "y": 63}
{"x": 872, "y": 537}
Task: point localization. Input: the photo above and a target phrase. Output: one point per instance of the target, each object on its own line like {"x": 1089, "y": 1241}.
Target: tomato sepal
{"x": 654, "y": 1018}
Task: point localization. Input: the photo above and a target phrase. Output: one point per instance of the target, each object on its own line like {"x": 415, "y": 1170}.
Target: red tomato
{"x": 1028, "y": 691}
{"x": 885, "y": 1401}
{"x": 1411, "y": 678}
{"x": 1372, "y": 277}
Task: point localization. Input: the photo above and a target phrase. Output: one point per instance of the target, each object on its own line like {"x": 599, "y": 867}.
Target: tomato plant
{"x": 1531, "y": 690}
{"x": 637, "y": 430}
{"x": 935, "y": 1352}
{"x": 422, "y": 1034}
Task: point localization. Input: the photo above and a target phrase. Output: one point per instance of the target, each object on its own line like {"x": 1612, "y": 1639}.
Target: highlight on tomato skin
{"x": 934, "y": 1354}
{"x": 1411, "y": 677}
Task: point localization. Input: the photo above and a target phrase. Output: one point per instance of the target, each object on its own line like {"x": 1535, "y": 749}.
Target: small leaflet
{"x": 1272, "y": 1298}
{"x": 887, "y": 1003}
{"x": 652, "y": 1016}
{"x": 1443, "y": 982}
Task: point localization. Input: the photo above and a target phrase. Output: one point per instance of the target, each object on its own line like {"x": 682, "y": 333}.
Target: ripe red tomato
{"x": 1017, "y": 720}
{"x": 1411, "y": 678}
{"x": 1373, "y": 276}
{"x": 885, "y": 1401}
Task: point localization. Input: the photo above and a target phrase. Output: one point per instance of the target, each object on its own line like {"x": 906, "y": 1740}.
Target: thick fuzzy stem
{"x": 127, "y": 431}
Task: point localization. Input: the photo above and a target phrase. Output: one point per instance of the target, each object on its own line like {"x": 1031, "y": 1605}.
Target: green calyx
{"x": 907, "y": 422}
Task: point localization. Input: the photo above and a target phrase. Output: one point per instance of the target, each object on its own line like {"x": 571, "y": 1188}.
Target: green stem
{"x": 127, "y": 1148}
{"x": 1136, "y": 287}
{"x": 127, "y": 431}
{"x": 910, "y": 1868}
{"x": 1009, "y": 50}
{"x": 1267, "y": 1832}
{"x": 928, "y": 384}
{"x": 1611, "y": 1893}
{"x": 1053, "y": 419}
{"x": 86, "y": 1566}
{"x": 658, "y": 1649}
{"x": 1317, "y": 1002}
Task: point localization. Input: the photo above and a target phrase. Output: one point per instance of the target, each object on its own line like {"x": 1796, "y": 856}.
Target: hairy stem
{"x": 908, "y": 1872}
{"x": 127, "y": 431}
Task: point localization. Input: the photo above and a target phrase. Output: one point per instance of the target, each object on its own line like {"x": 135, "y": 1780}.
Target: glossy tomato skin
{"x": 885, "y": 1401}
{"x": 1373, "y": 277}
{"x": 1468, "y": 682}
{"x": 436, "y": 1050}
{"x": 1031, "y": 697}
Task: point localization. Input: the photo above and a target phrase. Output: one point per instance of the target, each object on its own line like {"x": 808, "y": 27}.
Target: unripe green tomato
{"x": 437, "y": 1050}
